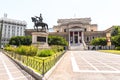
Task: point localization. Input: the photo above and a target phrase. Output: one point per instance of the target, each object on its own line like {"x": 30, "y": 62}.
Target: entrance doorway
{"x": 76, "y": 39}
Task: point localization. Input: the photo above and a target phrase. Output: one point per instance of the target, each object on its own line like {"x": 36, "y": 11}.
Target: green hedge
{"x": 23, "y": 50}
{"x": 45, "y": 53}
{"x": 99, "y": 41}
{"x": 20, "y": 40}
{"x": 117, "y": 48}
{"x": 33, "y": 51}
{"x": 26, "y": 50}
{"x": 9, "y": 48}
{"x": 57, "y": 40}
{"x": 57, "y": 48}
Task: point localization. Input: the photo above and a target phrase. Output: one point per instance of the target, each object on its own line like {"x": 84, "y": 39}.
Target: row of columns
{"x": 72, "y": 35}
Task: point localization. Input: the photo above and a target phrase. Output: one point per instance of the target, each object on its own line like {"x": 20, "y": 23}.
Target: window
{"x": 5, "y": 26}
{"x": 85, "y": 29}
{"x": 64, "y": 30}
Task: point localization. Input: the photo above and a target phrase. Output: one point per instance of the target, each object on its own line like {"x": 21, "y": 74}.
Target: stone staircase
{"x": 77, "y": 47}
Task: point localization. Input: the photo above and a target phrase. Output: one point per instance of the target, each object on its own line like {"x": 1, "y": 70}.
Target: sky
{"x": 105, "y": 13}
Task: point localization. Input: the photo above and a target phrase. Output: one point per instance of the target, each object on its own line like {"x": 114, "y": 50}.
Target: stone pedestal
{"x": 40, "y": 39}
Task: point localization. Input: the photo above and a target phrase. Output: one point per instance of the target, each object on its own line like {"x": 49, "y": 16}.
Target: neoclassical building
{"x": 10, "y": 28}
{"x": 77, "y": 31}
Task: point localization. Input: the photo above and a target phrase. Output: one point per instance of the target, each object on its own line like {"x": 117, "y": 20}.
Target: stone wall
{"x": 91, "y": 47}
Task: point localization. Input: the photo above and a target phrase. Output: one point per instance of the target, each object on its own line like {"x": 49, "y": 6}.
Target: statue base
{"x": 40, "y": 40}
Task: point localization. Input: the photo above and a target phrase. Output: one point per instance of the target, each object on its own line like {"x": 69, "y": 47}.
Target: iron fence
{"x": 41, "y": 65}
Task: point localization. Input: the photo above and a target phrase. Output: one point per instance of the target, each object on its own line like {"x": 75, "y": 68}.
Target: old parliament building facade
{"x": 77, "y": 31}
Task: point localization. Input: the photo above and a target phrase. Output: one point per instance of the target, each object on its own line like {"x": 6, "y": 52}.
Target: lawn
{"x": 111, "y": 51}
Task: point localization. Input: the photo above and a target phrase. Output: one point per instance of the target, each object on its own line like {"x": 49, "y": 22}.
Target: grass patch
{"x": 111, "y": 51}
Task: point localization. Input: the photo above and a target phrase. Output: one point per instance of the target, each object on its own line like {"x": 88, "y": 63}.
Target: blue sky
{"x": 105, "y": 13}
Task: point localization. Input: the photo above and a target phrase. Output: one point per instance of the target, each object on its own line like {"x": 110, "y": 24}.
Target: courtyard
{"x": 87, "y": 65}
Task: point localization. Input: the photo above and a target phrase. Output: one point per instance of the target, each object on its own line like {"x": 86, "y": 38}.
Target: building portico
{"x": 76, "y": 36}
{"x": 74, "y": 31}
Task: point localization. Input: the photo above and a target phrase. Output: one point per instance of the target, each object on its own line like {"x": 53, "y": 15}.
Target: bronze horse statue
{"x": 39, "y": 23}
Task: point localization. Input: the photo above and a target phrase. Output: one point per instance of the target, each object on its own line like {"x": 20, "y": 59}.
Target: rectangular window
{"x": 64, "y": 30}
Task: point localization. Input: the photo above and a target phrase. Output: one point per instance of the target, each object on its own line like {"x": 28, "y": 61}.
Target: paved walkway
{"x": 87, "y": 65}
{"x": 10, "y": 71}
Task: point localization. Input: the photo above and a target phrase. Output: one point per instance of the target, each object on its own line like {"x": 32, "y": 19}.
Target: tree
{"x": 57, "y": 40}
{"x": 115, "y": 31}
{"x": 99, "y": 41}
{"x": 116, "y": 40}
{"x": 115, "y": 36}
{"x": 20, "y": 40}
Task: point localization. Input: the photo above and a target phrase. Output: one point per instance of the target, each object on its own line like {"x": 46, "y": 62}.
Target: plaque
{"x": 41, "y": 39}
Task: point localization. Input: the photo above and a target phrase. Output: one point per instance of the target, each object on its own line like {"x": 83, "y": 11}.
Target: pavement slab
{"x": 11, "y": 71}
{"x": 87, "y": 65}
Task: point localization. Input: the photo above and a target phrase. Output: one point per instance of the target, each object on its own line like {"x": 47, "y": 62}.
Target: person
{"x": 40, "y": 18}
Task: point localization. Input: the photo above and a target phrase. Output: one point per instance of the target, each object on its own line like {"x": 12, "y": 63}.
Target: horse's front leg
{"x": 37, "y": 29}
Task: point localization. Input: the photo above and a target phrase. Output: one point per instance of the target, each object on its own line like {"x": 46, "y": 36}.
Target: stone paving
{"x": 10, "y": 71}
{"x": 87, "y": 65}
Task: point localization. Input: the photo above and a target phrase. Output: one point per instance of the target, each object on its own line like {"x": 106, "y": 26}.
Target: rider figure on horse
{"x": 40, "y": 18}
{"x": 38, "y": 22}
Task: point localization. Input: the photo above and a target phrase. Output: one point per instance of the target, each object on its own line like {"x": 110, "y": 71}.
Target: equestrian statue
{"x": 38, "y": 22}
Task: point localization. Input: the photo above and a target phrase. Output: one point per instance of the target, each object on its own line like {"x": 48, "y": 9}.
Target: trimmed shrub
{"x": 27, "y": 50}
{"x": 9, "y": 48}
{"x": 31, "y": 51}
{"x": 20, "y": 40}
{"x": 117, "y": 48}
{"x": 99, "y": 41}
{"x": 21, "y": 50}
{"x": 45, "y": 53}
{"x": 57, "y": 40}
{"x": 57, "y": 48}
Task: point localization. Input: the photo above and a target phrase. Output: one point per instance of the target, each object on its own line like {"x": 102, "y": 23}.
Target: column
{"x": 73, "y": 38}
{"x": 69, "y": 38}
{"x": 82, "y": 35}
{"x": 78, "y": 37}
{"x": 47, "y": 39}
